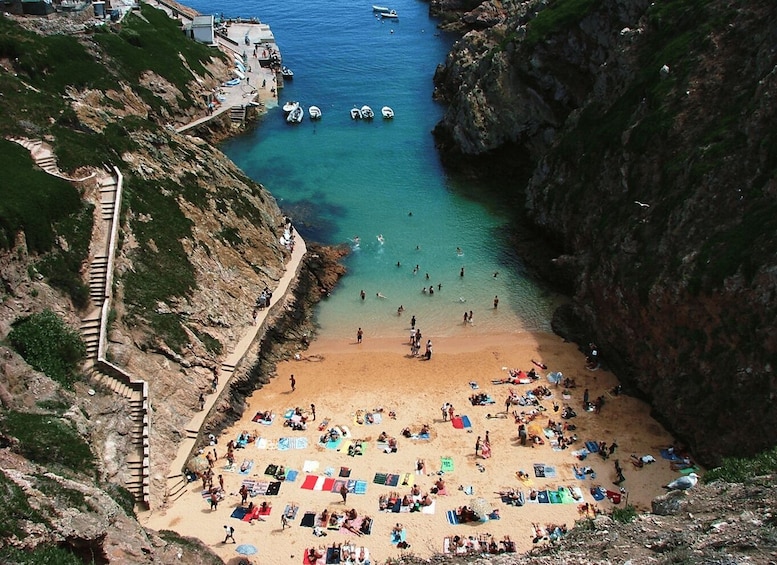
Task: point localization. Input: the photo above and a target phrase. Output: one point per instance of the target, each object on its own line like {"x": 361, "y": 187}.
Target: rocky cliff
{"x": 649, "y": 131}
{"x": 199, "y": 241}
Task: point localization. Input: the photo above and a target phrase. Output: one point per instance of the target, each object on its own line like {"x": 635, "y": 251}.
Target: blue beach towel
{"x": 453, "y": 519}
{"x": 542, "y": 497}
{"x": 466, "y": 422}
{"x": 360, "y": 488}
{"x": 291, "y": 475}
{"x": 284, "y": 444}
{"x": 592, "y": 446}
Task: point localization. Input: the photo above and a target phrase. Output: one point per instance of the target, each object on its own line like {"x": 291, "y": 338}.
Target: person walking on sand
{"x": 230, "y": 534}
{"x": 313, "y": 411}
{"x": 445, "y": 412}
{"x": 293, "y": 383}
{"x": 359, "y": 335}
{"x": 284, "y": 521}
{"x": 496, "y": 302}
{"x": 451, "y": 412}
{"x": 344, "y": 492}
{"x": 412, "y": 322}
{"x": 202, "y": 402}
{"x": 477, "y": 447}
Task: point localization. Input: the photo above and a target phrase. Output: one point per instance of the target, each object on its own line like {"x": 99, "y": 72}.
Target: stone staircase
{"x": 237, "y": 114}
{"x": 94, "y": 328}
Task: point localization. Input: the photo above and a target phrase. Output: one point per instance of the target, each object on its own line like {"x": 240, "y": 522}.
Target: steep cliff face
{"x": 198, "y": 243}
{"x": 651, "y": 132}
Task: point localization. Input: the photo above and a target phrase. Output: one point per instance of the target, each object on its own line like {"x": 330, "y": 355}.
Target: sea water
{"x": 378, "y": 186}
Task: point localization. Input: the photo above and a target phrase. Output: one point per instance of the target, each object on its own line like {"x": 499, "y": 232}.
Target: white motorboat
{"x": 390, "y": 14}
{"x": 367, "y": 112}
{"x": 314, "y": 112}
{"x": 289, "y": 106}
{"x": 356, "y": 114}
{"x": 296, "y": 115}
{"x": 380, "y": 9}
{"x": 387, "y": 112}
{"x": 287, "y": 72}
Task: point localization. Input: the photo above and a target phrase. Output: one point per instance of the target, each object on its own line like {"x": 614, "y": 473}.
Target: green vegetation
{"x": 49, "y": 440}
{"x": 32, "y": 200}
{"x": 162, "y": 270}
{"x": 121, "y": 496}
{"x": 14, "y": 509}
{"x": 153, "y": 41}
{"x": 190, "y": 544}
{"x": 53, "y": 405}
{"x": 213, "y": 345}
{"x": 41, "y": 555}
{"x": 556, "y": 17}
{"x": 743, "y": 469}
{"x": 624, "y": 515}
{"x": 62, "y": 496}
{"x": 49, "y": 346}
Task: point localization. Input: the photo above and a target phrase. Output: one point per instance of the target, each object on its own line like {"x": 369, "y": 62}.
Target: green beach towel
{"x": 446, "y": 464}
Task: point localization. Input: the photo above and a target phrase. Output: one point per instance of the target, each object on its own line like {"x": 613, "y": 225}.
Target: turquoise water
{"x": 340, "y": 179}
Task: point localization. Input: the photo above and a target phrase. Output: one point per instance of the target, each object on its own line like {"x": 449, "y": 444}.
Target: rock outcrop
{"x": 649, "y": 131}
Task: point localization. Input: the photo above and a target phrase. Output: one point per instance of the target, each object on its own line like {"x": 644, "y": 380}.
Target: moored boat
{"x": 387, "y": 112}
{"x": 289, "y": 106}
{"x": 287, "y": 72}
{"x": 380, "y": 9}
{"x": 389, "y": 14}
{"x": 367, "y": 112}
{"x": 356, "y": 114}
{"x": 296, "y": 115}
{"x": 314, "y": 112}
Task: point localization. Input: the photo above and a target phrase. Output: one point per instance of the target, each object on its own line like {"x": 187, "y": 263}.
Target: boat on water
{"x": 389, "y": 14}
{"x": 356, "y": 114}
{"x": 387, "y": 112}
{"x": 289, "y": 106}
{"x": 367, "y": 112}
{"x": 314, "y": 112}
{"x": 380, "y": 9}
{"x": 296, "y": 115}
{"x": 286, "y": 72}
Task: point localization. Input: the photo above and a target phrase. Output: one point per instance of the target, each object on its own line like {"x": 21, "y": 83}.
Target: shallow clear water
{"x": 340, "y": 179}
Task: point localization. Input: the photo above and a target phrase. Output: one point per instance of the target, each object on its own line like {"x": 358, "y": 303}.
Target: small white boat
{"x": 356, "y": 114}
{"x": 296, "y": 115}
{"x": 387, "y": 112}
{"x": 389, "y": 14}
{"x": 380, "y": 9}
{"x": 314, "y": 112}
{"x": 367, "y": 112}
{"x": 289, "y": 106}
{"x": 287, "y": 72}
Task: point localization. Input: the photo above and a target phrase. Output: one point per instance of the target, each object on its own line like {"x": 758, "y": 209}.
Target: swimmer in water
{"x": 380, "y": 239}
{"x": 459, "y": 251}
{"x": 379, "y": 295}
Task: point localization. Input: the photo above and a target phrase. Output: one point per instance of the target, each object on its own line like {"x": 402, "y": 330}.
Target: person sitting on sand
{"x": 416, "y": 490}
{"x": 440, "y": 486}
{"x": 426, "y": 500}
{"x": 407, "y": 433}
{"x": 314, "y": 555}
{"x": 366, "y": 525}
{"x": 425, "y": 430}
{"x": 383, "y": 436}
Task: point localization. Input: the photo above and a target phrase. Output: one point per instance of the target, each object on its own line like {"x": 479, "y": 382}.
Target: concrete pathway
{"x": 279, "y": 297}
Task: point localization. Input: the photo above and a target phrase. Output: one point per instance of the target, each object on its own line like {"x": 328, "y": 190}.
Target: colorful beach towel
{"x": 360, "y": 487}
{"x": 542, "y": 497}
{"x": 291, "y": 511}
{"x": 308, "y": 520}
{"x": 284, "y": 444}
{"x": 239, "y": 513}
{"x": 457, "y": 422}
{"x": 465, "y": 422}
{"x": 452, "y": 517}
{"x": 274, "y": 488}
{"x": 291, "y": 475}
{"x": 310, "y": 482}
{"x": 380, "y": 478}
{"x": 398, "y": 537}
{"x": 446, "y": 464}
{"x": 555, "y": 497}
{"x": 592, "y": 446}
{"x": 300, "y": 443}
{"x": 392, "y": 480}
{"x": 598, "y": 493}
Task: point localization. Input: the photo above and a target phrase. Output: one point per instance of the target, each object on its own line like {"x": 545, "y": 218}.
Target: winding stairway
{"x": 94, "y": 326}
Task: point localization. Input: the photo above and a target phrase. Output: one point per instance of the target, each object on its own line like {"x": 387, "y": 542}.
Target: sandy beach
{"x": 346, "y": 381}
